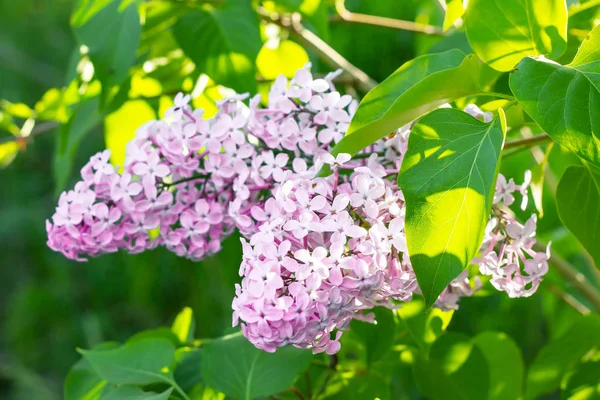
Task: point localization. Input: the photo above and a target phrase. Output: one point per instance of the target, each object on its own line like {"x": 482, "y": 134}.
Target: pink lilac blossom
{"x": 507, "y": 254}
{"x": 317, "y": 252}
{"x": 193, "y": 179}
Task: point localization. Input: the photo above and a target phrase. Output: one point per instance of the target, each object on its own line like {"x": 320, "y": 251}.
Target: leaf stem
{"x": 331, "y": 370}
{"x": 346, "y": 16}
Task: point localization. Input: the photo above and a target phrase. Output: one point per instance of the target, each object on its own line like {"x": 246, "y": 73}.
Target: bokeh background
{"x": 49, "y": 305}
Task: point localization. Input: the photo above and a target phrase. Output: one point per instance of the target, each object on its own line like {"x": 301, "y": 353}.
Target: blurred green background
{"x": 49, "y": 305}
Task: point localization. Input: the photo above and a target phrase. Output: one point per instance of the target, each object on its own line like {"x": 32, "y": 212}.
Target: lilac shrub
{"x": 318, "y": 251}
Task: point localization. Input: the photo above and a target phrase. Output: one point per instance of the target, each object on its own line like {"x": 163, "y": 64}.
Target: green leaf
{"x": 128, "y": 392}
{"x": 447, "y": 178}
{"x": 377, "y": 338}
{"x": 223, "y": 41}
{"x": 578, "y": 203}
{"x": 8, "y": 153}
{"x": 285, "y": 59}
{"x": 425, "y": 326}
{"x": 184, "y": 325}
{"x": 188, "y": 371}
{"x": 157, "y": 333}
{"x": 142, "y": 362}
{"x": 84, "y": 117}
{"x": 82, "y": 380}
{"x": 558, "y": 356}
{"x": 417, "y": 87}
{"x": 505, "y": 362}
{"x": 502, "y": 32}
{"x": 111, "y": 30}
{"x": 454, "y": 10}
{"x": 456, "y": 369}
{"x": 584, "y": 383}
{"x": 565, "y": 99}
{"x": 235, "y": 367}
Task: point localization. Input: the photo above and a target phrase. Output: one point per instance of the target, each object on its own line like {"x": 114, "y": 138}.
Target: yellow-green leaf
{"x": 285, "y": 59}
{"x": 120, "y": 127}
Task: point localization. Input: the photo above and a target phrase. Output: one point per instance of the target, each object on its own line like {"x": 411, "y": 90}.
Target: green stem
{"x": 191, "y": 178}
{"x": 179, "y": 390}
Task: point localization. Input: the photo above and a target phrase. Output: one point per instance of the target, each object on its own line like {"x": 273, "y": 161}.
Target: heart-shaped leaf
{"x": 235, "y": 367}
{"x": 447, "y": 178}
{"x": 565, "y": 99}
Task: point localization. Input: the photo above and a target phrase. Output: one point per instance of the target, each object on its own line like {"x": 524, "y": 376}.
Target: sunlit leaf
{"x": 121, "y": 125}
{"x": 425, "y": 326}
{"x": 454, "y": 10}
{"x": 285, "y": 59}
{"x": 447, "y": 178}
{"x": 502, "y": 32}
{"x": 417, "y": 87}
{"x": 578, "y": 203}
{"x": 8, "y": 153}
{"x": 184, "y": 325}
{"x": 19, "y": 110}
{"x": 223, "y": 41}
{"x": 235, "y": 367}
{"x": 565, "y": 99}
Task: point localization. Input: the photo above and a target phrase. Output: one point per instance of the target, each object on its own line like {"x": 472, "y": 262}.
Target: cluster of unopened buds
{"x": 317, "y": 251}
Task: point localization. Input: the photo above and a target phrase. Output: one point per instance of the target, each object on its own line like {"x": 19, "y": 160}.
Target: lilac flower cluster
{"x": 317, "y": 251}
{"x": 331, "y": 248}
{"x": 196, "y": 180}
{"x": 507, "y": 254}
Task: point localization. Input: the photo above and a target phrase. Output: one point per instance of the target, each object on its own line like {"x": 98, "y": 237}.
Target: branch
{"x": 571, "y": 274}
{"x": 570, "y": 300}
{"x": 347, "y": 16}
{"x": 526, "y": 142}
{"x": 37, "y": 130}
{"x": 292, "y": 23}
